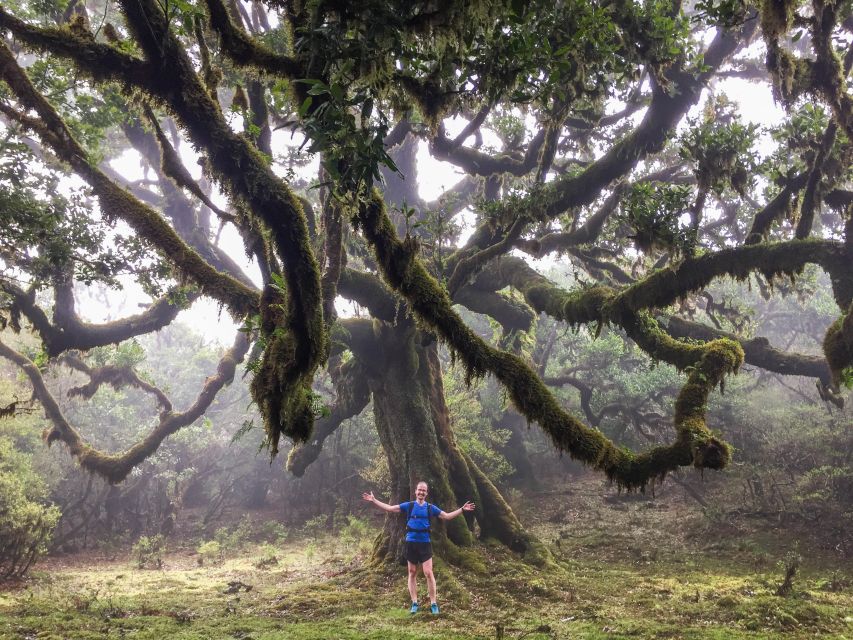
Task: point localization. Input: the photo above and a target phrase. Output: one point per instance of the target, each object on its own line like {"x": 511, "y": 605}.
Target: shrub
{"x": 237, "y": 538}
{"x": 272, "y": 531}
{"x": 148, "y": 551}
{"x": 268, "y": 557}
{"x": 26, "y": 525}
{"x": 209, "y": 552}
{"x": 315, "y": 526}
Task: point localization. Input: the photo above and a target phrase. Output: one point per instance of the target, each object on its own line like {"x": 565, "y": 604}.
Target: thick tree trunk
{"x": 415, "y": 431}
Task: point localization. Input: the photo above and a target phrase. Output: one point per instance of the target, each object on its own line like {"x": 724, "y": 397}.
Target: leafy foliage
{"x": 655, "y": 211}
{"x": 26, "y": 522}
{"x": 148, "y": 552}
{"x": 721, "y": 149}
{"x": 47, "y": 233}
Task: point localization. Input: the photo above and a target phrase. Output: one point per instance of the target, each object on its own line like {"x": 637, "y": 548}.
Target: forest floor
{"x": 626, "y": 567}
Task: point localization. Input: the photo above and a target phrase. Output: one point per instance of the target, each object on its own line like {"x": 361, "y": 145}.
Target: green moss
{"x": 777, "y": 17}
{"x": 605, "y": 590}
{"x": 838, "y": 346}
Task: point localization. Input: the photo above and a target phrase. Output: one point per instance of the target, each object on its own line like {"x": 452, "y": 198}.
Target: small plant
{"x": 83, "y": 601}
{"x": 209, "y": 553}
{"x": 148, "y": 551}
{"x": 272, "y": 532}
{"x": 790, "y": 564}
{"x": 235, "y": 539}
{"x": 310, "y": 551}
{"x": 268, "y": 557}
{"x": 654, "y": 210}
{"x": 315, "y": 526}
{"x": 836, "y": 583}
{"x": 355, "y": 533}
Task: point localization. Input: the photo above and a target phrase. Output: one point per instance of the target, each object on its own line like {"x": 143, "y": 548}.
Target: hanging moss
{"x": 838, "y": 346}
{"x": 281, "y": 390}
{"x": 353, "y": 395}
{"x": 777, "y": 16}
{"x": 791, "y": 75}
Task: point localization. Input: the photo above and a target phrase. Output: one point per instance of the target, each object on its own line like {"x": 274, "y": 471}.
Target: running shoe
{"x": 433, "y": 609}
{"x": 414, "y": 608}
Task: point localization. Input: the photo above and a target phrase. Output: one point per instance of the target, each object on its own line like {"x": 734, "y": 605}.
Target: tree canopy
{"x": 571, "y": 123}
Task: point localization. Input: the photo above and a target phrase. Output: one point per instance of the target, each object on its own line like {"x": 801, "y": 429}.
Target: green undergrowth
{"x": 632, "y": 568}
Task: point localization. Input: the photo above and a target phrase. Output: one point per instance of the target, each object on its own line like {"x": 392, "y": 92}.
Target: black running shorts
{"x": 418, "y": 552}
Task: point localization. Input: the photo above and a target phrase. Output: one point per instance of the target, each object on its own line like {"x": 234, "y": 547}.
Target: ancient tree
{"x": 562, "y": 117}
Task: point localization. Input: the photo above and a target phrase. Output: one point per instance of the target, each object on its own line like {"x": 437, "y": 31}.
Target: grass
{"x": 635, "y": 569}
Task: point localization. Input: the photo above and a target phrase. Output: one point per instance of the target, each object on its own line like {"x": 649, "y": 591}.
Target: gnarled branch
{"x": 115, "y": 376}
{"x": 115, "y": 467}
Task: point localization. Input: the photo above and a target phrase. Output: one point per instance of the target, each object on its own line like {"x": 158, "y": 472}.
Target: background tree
{"x": 569, "y": 112}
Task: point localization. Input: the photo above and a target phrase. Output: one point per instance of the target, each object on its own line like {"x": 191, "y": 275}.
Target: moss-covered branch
{"x": 472, "y": 127}
{"x": 370, "y": 292}
{"x": 333, "y": 255}
{"x": 115, "y": 376}
{"x": 667, "y": 285}
{"x": 643, "y": 329}
{"x": 479, "y": 163}
{"x": 115, "y": 467}
{"x": 284, "y": 390}
{"x": 757, "y": 351}
{"x": 513, "y": 315}
{"x": 24, "y": 304}
{"x": 578, "y": 190}
{"x": 585, "y": 392}
{"x": 73, "y": 333}
{"x": 245, "y": 51}
{"x": 583, "y": 306}
{"x": 665, "y": 111}
{"x": 469, "y": 266}
{"x": 816, "y": 175}
{"x": 173, "y": 167}
{"x": 625, "y": 307}
{"x": 119, "y": 203}
{"x": 781, "y": 205}
{"x": 102, "y": 62}
{"x": 694, "y": 445}
{"x": 585, "y": 233}
{"x": 189, "y": 223}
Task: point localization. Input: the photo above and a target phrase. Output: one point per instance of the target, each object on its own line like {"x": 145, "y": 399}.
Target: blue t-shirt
{"x": 418, "y": 520}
